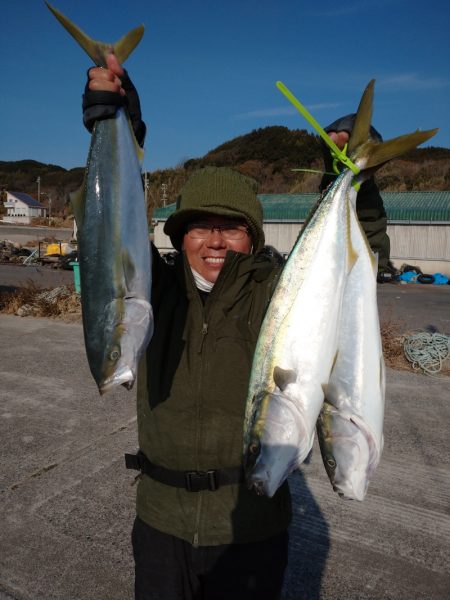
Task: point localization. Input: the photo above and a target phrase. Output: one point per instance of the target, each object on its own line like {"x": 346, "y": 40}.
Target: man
{"x": 199, "y": 532}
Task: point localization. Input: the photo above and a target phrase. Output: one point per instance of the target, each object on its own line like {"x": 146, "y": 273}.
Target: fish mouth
{"x": 261, "y": 483}
{"x": 125, "y": 377}
{"x": 258, "y": 487}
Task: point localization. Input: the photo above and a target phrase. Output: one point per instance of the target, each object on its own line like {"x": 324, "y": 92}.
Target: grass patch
{"x": 393, "y": 337}
{"x": 37, "y": 302}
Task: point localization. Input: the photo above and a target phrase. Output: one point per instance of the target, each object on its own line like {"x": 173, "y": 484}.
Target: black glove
{"x": 98, "y": 105}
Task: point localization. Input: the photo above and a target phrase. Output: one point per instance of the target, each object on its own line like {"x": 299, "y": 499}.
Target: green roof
{"x": 417, "y": 206}
{"x": 400, "y": 206}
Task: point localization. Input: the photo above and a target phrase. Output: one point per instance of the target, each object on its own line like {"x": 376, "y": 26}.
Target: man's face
{"x": 208, "y": 239}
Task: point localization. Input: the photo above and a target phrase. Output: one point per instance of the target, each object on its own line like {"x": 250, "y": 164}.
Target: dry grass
{"x": 393, "y": 337}
{"x": 61, "y": 302}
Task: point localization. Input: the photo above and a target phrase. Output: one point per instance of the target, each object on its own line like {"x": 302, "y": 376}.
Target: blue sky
{"x": 206, "y": 70}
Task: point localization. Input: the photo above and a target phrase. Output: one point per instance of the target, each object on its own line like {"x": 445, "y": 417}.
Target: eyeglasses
{"x": 200, "y": 231}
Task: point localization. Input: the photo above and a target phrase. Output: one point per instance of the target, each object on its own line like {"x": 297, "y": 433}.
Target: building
{"x": 418, "y": 226}
{"x": 22, "y": 208}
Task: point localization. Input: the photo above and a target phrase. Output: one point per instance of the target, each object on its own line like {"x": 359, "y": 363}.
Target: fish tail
{"x": 99, "y": 50}
{"x": 380, "y": 153}
{"x": 363, "y": 119}
{"x": 369, "y": 154}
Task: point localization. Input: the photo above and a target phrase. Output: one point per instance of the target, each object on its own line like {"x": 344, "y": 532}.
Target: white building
{"x": 418, "y": 226}
{"x": 22, "y": 208}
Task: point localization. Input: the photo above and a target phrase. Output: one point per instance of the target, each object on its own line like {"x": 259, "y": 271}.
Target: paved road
{"x": 24, "y": 233}
{"x": 413, "y": 306}
{"x": 66, "y": 502}
{"x": 13, "y": 277}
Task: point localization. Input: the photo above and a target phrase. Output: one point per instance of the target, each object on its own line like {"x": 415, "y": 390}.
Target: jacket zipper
{"x": 204, "y": 331}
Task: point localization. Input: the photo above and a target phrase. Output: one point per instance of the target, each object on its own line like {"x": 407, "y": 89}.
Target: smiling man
{"x": 217, "y": 211}
{"x": 199, "y": 531}
{"x": 206, "y": 242}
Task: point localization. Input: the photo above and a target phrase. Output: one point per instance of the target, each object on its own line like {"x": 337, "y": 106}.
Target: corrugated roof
{"x": 28, "y": 200}
{"x": 417, "y": 206}
{"x": 400, "y": 206}
{"x": 287, "y": 207}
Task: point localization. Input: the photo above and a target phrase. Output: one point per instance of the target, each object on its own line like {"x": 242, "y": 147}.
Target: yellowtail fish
{"x": 350, "y": 424}
{"x": 303, "y": 348}
{"x": 113, "y": 241}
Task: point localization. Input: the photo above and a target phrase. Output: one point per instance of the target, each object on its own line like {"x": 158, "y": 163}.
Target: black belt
{"x": 192, "y": 481}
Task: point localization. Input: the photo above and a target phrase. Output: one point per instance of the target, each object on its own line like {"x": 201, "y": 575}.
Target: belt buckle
{"x": 195, "y": 481}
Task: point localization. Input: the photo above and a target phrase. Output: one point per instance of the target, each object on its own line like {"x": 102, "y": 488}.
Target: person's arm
{"x": 108, "y": 89}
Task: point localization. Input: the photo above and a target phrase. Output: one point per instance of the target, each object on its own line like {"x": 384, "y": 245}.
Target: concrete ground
{"x": 14, "y": 276}
{"x": 22, "y": 234}
{"x": 67, "y": 502}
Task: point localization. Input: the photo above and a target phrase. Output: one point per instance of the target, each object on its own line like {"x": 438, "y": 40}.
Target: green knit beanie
{"x": 217, "y": 191}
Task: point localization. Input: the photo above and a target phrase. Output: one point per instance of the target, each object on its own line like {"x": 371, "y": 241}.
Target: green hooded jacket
{"x": 192, "y": 390}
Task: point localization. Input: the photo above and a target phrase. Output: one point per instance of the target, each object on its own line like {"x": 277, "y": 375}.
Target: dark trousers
{"x": 168, "y": 568}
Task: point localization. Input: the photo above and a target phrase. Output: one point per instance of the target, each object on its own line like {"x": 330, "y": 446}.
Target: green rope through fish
{"x": 337, "y": 154}
{"x": 427, "y": 351}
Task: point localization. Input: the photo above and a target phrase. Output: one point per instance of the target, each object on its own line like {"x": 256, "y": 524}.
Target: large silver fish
{"x": 350, "y": 424}
{"x": 113, "y": 241}
{"x": 304, "y": 336}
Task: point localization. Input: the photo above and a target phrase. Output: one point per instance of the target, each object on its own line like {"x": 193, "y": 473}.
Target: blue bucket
{"x": 76, "y": 276}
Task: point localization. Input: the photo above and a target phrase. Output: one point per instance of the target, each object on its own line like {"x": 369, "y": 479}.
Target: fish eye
{"x": 114, "y": 354}
{"x": 254, "y": 448}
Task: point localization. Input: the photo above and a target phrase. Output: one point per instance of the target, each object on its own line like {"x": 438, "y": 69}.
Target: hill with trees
{"x": 270, "y": 155}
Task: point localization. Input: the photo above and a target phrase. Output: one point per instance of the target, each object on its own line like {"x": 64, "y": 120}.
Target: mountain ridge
{"x": 270, "y": 155}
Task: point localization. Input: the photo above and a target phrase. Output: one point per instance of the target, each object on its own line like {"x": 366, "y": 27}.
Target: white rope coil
{"x": 427, "y": 351}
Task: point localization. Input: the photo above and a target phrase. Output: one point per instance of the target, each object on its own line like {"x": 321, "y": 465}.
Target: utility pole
{"x": 38, "y": 181}
{"x": 164, "y": 193}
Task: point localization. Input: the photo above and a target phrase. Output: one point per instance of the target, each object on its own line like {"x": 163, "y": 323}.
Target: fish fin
{"x": 77, "y": 200}
{"x": 98, "y": 50}
{"x": 125, "y": 46}
{"x": 375, "y": 154}
{"x": 129, "y": 269}
{"x": 374, "y": 259}
{"x": 283, "y": 377}
{"x": 382, "y": 373}
{"x": 361, "y": 127}
{"x": 335, "y": 360}
{"x": 139, "y": 153}
{"x": 368, "y": 154}
{"x": 139, "y": 150}
{"x": 352, "y": 255}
